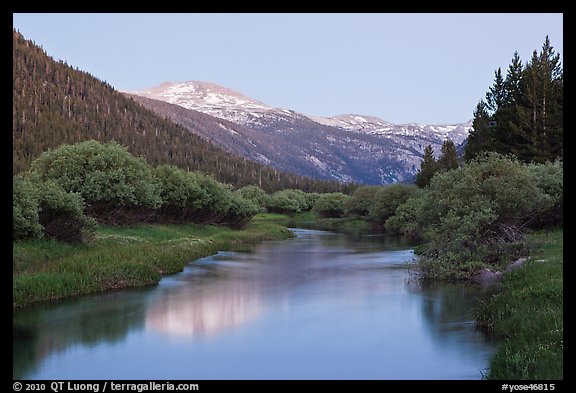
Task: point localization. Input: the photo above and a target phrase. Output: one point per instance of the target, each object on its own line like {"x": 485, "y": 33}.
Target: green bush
{"x": 25, "y": 209}
{"x": 301, "y": 197}
{"x": 45, "y": 209}
{"x": 105, "y": 175}
{"x": 360, "y": 201}
{"x": 240, "y": 211}
{"x": 473, "y": 216}
{"x": 178, "y": 188}
{"x": 311, "y": 199}
{"x": 406, "y": 220}
{"x": 288, "y": 201}
{"x": 549, "y": 178}
{"x": 256, "y": 195}
{"x": 386, "y": 200}
{"x": 62, "y": 214}
{"x": 219, "y": 199}
{"x": 330, "y": 205}
{"x": 182, "y": 197}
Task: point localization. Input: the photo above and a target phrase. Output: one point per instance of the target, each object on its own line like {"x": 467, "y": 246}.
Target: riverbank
{"x": 124, "y": 257}
{"x": 528, "y": 313}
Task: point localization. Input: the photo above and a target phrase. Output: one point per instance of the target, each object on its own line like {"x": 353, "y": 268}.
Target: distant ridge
{"x": 356, "y": 148}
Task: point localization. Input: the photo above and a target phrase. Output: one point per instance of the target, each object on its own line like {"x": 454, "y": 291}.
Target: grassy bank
{"x": 124, "y": 257}
{"x": 348, "y": 225}
{"x": 528, "y": 313}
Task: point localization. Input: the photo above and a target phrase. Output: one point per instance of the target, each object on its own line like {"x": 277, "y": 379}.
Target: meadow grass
{"x": 124, "y": 257}
{"x": 527, "y": 312}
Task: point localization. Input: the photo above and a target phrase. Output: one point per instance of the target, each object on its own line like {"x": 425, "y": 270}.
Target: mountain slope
{"x": 55, "y": 104}
{"x": 347, "y": 148}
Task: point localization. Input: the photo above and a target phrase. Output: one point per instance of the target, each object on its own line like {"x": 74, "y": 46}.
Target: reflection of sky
{"x": 309, "y": 308}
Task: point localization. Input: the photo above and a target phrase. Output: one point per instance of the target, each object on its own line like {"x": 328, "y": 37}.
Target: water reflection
{"x": 319, "y": 306}
{"x": 204, "y": 309}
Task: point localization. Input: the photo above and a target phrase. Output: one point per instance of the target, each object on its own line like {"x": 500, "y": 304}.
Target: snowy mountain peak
{"x": 348, "y": 147}
{"x": 352, "y": 122}
{"x": 205, "y": 97}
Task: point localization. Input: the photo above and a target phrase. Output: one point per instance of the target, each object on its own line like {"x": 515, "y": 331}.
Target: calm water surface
{"x": 320, "y": 306}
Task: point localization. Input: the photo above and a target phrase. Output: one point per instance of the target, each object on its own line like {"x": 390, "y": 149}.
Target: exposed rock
{"x": 516, "y": 264}
{"x": 487, "y": 276}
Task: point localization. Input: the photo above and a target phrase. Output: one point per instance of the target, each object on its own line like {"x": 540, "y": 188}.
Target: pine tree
{"x": 513, "y": 80}
{"x": 428, "y": 167}
{"x": 448, "y": 156}
{"x": 523, "y": 114}
{"x": 496, "y": 97}
{"x": 543, "y": 90}
{"x": 479, "y": 138}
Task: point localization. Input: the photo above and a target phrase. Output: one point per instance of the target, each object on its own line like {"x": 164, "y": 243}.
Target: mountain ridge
{"x": 349, "y": 147}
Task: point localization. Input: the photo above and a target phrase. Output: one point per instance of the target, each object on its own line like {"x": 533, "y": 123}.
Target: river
{"x": 319, "y": 306}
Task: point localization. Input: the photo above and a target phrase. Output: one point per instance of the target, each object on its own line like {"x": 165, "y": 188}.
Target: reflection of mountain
{"x": 204, "y": 309}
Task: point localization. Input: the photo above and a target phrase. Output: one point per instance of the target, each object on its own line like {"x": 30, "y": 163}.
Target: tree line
{"x": 522, "y": 113}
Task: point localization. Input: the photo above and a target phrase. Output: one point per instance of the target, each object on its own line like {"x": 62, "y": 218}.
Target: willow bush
{"x": 476, "y": 216}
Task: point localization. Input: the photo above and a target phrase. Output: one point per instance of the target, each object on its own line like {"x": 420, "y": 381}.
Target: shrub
{"x": 219, "y": 198}
{"x": 25, "y": 220}
{"x": 406, "y": 220}
{"x": 182, "y": 197}
{"x": 45, "y": 209}
{"x": 311, "y": 199}
{"x": 549, "y": 178}
{"x": 472, "y": 216}
{"x": 360, "y": 201}
{"x": 386, "y": 200}
{"x": 105, "y": 175}
{"x": 240, "y": 211}
{"x": 178, "y": 188}
{"x": 288, "y": 201}
{"x": 256, "y": 195}
{"x": 330, "y": 205}
{"x": 300, "y": 197}
{"x": 62, "y": 214}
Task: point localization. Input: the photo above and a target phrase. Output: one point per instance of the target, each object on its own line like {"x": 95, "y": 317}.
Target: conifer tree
{"x": 496, "y": 97}
{"x": 448, "y": 156}
{"x": 479, "y": 138}
{"x": 523, "y": 114}
{"x": 428, "y": 167}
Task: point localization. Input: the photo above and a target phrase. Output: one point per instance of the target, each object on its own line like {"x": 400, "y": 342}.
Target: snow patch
{"x": 317, "y": 162}
{"x": 231, "y": 131}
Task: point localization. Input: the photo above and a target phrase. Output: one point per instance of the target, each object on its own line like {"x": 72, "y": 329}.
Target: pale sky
{"x": 423, "y": 68}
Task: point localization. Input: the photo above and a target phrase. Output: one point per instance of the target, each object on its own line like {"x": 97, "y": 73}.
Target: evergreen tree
{"x": 543, "y": 90}
{"x": 428, "y": 167}
{"x": 523, "y": 114}
{"x": 496, "y": 97}
{"x": 448, "y": 156}
{"x": 513, "y": 79}
{"x": 479, "y": 138}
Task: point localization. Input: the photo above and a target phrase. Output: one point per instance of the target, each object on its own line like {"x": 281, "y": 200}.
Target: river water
{"x": 319, "y": 306}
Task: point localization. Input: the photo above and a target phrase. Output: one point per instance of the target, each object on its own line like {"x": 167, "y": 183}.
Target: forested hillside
{"x": 55, "y": 104}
